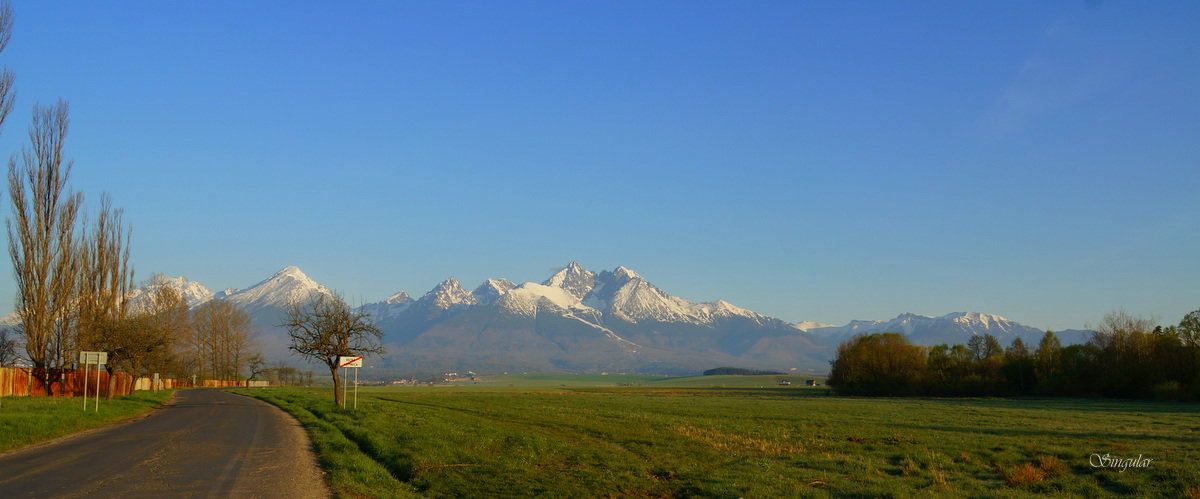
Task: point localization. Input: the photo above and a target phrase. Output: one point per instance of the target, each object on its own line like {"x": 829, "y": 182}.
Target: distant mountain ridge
{"x": 193, "y": 293}
{"x": 954, "y": 328}
{"x": 580, "y": 320}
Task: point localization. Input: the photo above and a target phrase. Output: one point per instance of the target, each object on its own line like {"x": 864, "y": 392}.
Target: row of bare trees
{"x": 219, "y": 343}
{"x": 162, "y": 334}
{"x": 73, "y": 276}
{"x": 281, "y": 374}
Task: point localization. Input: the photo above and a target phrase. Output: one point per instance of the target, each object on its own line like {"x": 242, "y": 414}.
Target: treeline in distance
{"x": 1127, "y": 357}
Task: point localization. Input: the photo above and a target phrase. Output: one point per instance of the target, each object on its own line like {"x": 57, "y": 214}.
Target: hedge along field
{"x": 735, "y": 442}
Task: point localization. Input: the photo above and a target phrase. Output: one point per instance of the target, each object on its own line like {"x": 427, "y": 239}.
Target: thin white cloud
{"x": 1067, "y": 69}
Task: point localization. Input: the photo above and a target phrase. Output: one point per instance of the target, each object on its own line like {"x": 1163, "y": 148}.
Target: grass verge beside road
{"x": 29, "y": 420}
{"x": 475, "y": 441}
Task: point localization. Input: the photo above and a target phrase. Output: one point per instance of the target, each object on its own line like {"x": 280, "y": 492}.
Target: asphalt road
{"x": 204, "y": 443}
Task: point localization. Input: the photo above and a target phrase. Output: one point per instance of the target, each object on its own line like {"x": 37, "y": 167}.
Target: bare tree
{"x": 221, "y": 339}
{"x": 7, "y": 92}
{"x": 8, "y": 347}
{"x": 1121, "y": 329}
{"x": 1120, "y": 321}
{"x": 326, "y": 328}
{"x": 8, "y": 344}
{"x": 282, "y": 374}
{"x": 144, "y": 341}
{"x": 167, "y": 322}
{"x": 257, "y": 365}
{"x": 105, "y": 275}
{"x": 42, "y": 243}
{"x": 105, "y": 279}
{"x": 1189, "y": 329}
{"x": 71, "y": 283}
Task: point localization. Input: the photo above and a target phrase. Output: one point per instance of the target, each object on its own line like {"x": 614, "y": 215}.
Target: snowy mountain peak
{"x": 292, "y": 275}
{"x": 976, "y": 318}
{"x": 630, "y": 297}
{"x": 448, "y": 293}
{"x": 193, "y": 293}
{"x": 491, "y": 289}
{"x": 449, "y": 283}
{"x": 527, "y": 299}
{"x": 281, "y": 289}
{"x": 291, "y": 270}
{"x": 398, "y": 298}
{"x": 806, "y": 325}
{"x": 625, "y": 273}
{"x": 722, "y": 306}
{"x": 573, "y": 278}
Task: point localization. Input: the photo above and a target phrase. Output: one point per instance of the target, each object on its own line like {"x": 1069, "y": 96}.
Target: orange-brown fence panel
{"x": 19, "y": 381}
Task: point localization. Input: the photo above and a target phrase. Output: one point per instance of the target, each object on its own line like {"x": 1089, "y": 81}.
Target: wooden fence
{"x": 70, "y": 383}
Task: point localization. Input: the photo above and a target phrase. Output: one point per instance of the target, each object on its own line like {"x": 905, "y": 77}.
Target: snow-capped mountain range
{"x": 622, "y": 293}
{"x": 580, "y": 320}
{"x": 288, "y": 285}
{"x": 926, "y": 330}
{"x": 193, "y": 293}
{"x": 949, "y": 329}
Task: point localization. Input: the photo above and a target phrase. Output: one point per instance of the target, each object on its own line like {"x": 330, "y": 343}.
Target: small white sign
{"x": 100, "y": 358}
{"x": 349, "y": 361}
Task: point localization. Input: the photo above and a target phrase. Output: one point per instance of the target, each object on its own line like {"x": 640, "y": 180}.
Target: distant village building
{"x": 785, "y": 383}
{"x": 811, "y": 382}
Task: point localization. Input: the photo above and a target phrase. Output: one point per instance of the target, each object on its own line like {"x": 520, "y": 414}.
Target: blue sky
{"x": 811, "y": 161}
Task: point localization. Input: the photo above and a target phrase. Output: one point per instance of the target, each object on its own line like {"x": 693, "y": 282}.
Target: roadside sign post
{"x": 87, "y": 358}
{"x": 347, "y": 362}
{"x": 83, "y": 360}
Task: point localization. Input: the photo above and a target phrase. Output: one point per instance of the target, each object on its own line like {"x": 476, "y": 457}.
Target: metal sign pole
{"x": 85, "y": 379}
{"x": 346, "y": 362}
{"x": 98, "y": 387}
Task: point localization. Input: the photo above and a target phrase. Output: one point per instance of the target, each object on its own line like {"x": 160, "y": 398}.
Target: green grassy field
{"x": 625, "y": 380}
{"x": 28, "y": 420}
{"x": 657, "y": 440}
{"x": 561, "y": 380}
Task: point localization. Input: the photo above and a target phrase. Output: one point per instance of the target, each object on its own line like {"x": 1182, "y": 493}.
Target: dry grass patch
{"x": 734, "y": 443}
{"x": 1052, "y": 466}
{"x": 1023, "y": 475}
